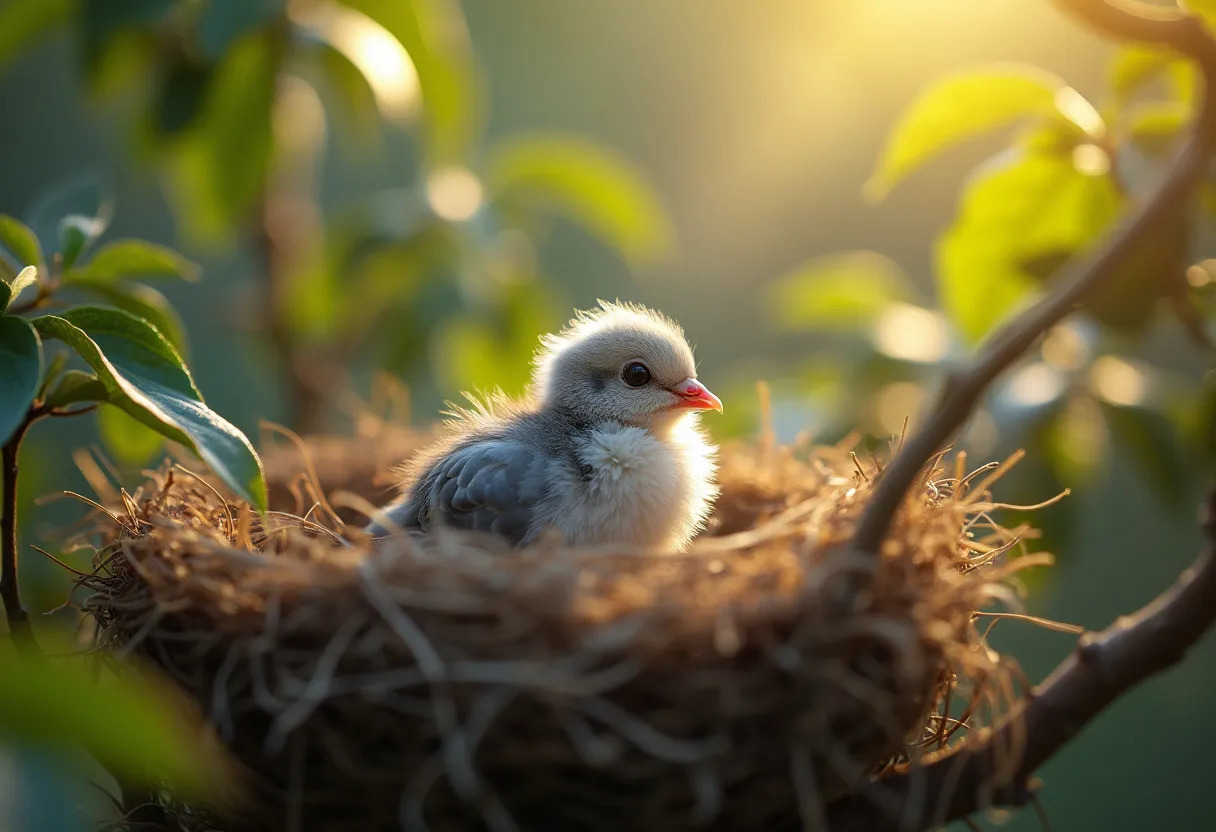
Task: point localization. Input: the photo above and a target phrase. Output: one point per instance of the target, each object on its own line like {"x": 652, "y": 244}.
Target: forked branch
{"x": 964, "y": 387}
{"x": 1105, "y": 665}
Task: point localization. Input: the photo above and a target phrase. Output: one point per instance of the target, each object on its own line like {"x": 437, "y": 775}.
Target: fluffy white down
{"x": 641, "y": 491}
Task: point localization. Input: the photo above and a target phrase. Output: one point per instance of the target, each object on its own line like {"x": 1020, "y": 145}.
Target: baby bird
{"x": 607, "y": 450}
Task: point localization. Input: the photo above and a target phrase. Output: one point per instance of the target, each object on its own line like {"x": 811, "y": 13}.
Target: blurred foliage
{"x": 1101, "y": 384}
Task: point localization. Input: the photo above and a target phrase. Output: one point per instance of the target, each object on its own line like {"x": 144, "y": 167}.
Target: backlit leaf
{"x": 839, "y": 291}
{"x": 77, "y": 233}
{"x": 21, "y": 241}
{"x": 958, "y": 107}
{"x": 1023, "y": 206}
{"x": 1155, "y": 128}
{"x": 434, "y": 34}
{"x": 136, "y": 260}
{"x": 586, "y": 183}
{"x": 131, "y": 442}
{"x": 20, "y": 372}
{"x": 10, "y": 291}
{"x": 75, "y": 387}
{"x": 144, "y": 376}
{"x": 1204, "y": 8}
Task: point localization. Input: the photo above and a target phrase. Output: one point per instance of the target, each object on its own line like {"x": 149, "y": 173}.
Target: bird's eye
{"x": 635, "y": 374}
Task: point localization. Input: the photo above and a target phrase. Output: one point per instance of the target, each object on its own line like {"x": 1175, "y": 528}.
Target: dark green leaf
{"x": 131, "y": 725}
{"x": 85, "y": 198}
{"x": 225, "y": 23}
{"x": 839, "y": 291}
{"x": 103, "y": 20}
{"x": 434, "y": 34}
{"x": 9, "y": 292}
{"x": 130, "y": 441}
{"x": 76, "y": 387}
{"x": 140, "y": 300}
{"x": 20, "y": 372}
{"x": 1151, "y": 440}
{"x": 134, "y": 259}
{"x": 1023, "y": 206}
{"x": 144, "y": 376}
{"x": 24, "y": 22}
{"x": 587, "y": 183}
{"x": 76, "y": 233}
{"x": 181, "y": 96}
{"x": 21, "y": 241}
{"x": 958, "y": 107}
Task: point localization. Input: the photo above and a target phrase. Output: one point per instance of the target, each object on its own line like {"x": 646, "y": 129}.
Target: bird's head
{"x": 624, "y": 363}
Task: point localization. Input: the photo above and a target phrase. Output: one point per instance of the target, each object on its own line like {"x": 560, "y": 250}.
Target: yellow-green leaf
{"x": 586, "y": 183}
{"x": 136, "y": 260}
{"x": 838, "y": 291}
{"x": 9, "y": 291}
{"x": 132, "y": 725}
{"x": 434, "y": 34}
{"x": 24, "y": 22}
{"x": 1204, "y": 8}
{"x": 1023, "y": 206}
{"x": 958, "y": 107}
{"x": 131, "y": 441}
{"x": 1155, "y": 127}
{"x": 140, "y": 300}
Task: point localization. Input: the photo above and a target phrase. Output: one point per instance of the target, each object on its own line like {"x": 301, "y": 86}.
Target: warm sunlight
{"x": 1119, "y": 381}
{"x": 911, "y": 333}
{"x": 370, "y": 47}
{"x": 454, "y": 193}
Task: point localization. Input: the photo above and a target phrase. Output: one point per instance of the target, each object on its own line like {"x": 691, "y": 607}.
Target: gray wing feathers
{"x": 488, "y": 486}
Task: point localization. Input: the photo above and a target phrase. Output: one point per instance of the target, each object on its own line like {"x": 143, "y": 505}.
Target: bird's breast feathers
{"x": 633, "y": 488}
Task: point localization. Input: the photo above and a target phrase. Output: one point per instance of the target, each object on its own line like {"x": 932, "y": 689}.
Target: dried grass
{"x": 449, "y": 683}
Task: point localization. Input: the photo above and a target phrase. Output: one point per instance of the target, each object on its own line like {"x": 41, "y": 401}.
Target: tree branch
{"x": 18, "y": 619}
{"x": 964, "y": 387}
{"x": 1103, "y": 667}
{"x": 958, "y": 782}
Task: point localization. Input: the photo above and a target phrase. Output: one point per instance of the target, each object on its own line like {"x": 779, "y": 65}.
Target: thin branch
{"x": 964, "y": 387}
{"x": 1103, "y": 667}
{"x": 18, "y": 619}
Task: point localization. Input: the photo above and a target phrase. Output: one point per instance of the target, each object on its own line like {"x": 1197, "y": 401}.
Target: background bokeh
{"x": 755, "y": 128}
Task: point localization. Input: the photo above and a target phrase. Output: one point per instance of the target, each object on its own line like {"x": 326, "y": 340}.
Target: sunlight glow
{"x": 1033, "y": 385}
{"x": 1077, "y": 109}
{"x": 911, "y": 333}
{"x": 454, "y": 193}
{"x": 1064, "y": 349}
{"x": 298, "y": 119}
{"x": 378, "y": 55}
{"x": 1090, "y": 159}
{"x": 1201, "y": 274}
{"x": 1119, "y": 381}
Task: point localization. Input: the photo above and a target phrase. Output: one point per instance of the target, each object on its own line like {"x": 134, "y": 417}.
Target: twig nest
{"x": 450, "y": 683}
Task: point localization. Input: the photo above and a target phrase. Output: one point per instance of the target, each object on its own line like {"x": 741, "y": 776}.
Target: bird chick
{"x": 607, "y": 449}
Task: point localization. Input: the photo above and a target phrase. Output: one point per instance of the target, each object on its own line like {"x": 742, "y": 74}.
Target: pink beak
{"x": 695, "y": 396}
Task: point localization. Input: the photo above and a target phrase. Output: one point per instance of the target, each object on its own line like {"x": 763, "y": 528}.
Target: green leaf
{"x": 1024, "y": 205}
{"x": 434, "y": 34}
{"x": 101, "y": 22}
{"x": 1151, "y": 442}
{"x": 839, "y": 291}
{"x": 144, "y": 376}
{"x": 140, "y": 300}
{"x": 958, "y": 107}
{"x": 20, "y": 372}
{"x": 585, "y": 182}
{"x": 76, "y": 387}
{"x": 76, "y": 233}
{"x": 23, "y": 23}
{"x": 131, "y": 442}
{"x": 21, "y": 241}
{"x": 9, "y": 292}
{"x": 180, "y": 96}
{"x": 218, "y": 171}
{"x": 132, "y": 725}
{"x": 134, "y": 259}
{"x": 346, "y": 83}
{"x": 1154, "y": 128}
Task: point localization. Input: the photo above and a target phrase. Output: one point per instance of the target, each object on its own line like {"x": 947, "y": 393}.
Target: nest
{"x": 450, "y": 683}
